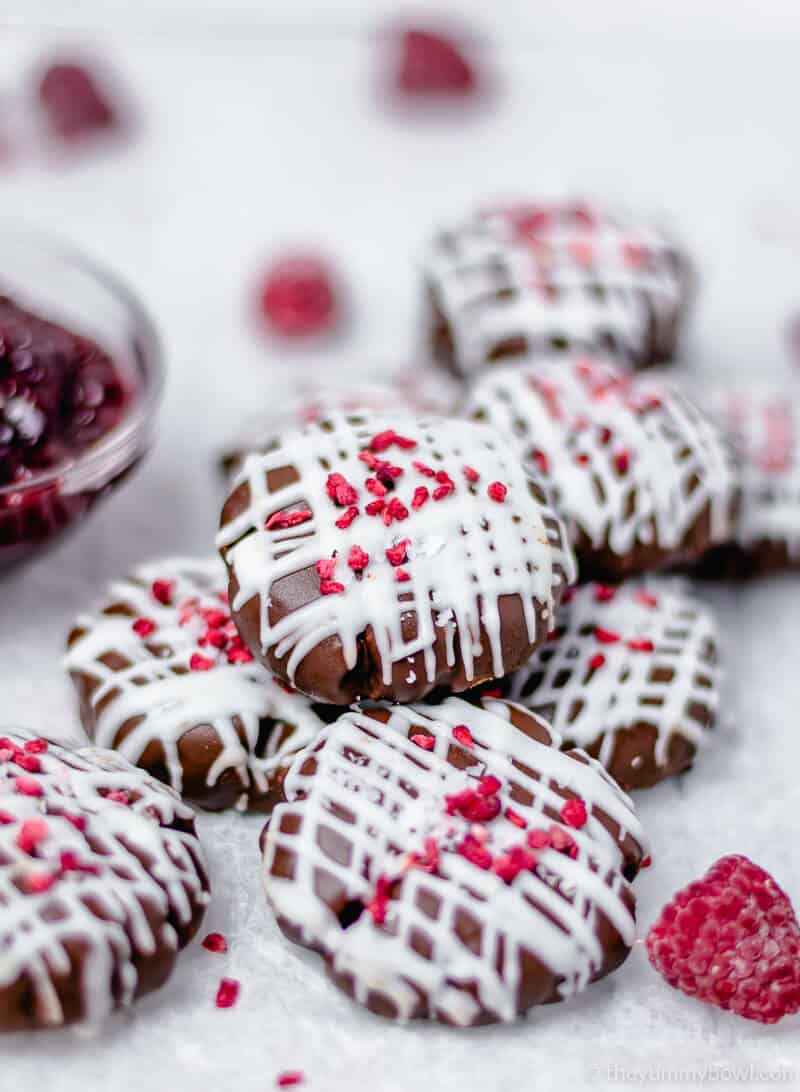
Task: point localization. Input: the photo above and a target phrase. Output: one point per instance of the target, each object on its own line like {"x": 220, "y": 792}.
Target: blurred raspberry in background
{"x": 299, "y": 297}
{"x": 76, "y": 101}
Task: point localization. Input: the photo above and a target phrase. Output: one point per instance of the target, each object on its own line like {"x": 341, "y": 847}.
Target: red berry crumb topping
{"x": 215, "y": 942}
{"x": 473, "y": 806}
{"x": 541, "y": 460}
{"x": 279, "y": 521}
{"x": 31, "y": 833}
{"x": 119, "y": 796}
{"x": 379, "y": 902}
{"x": 298, "y": 297}
{"x": 28, "y": 762}
{"x": 36, "y": 883}
{"x": 462, "y": 735}
{"x": 604, "y": 593}
{"x": 646, "y": 599}
{"x": 290, "y": 1079}
{"x": 423, "y": 740}
{"x": 227, "y": 994}
{"x": 497, "y": 492}
{"x": 326, "y": 566}
{"x": 27, "y": 786}
{"x": 509, "y": 865}
{"x": 162, "y": 591}
{"x": 343, "y": 522}
{"x": 574, "y": 813}
{"x": 340, "y": 490}
{"x": 622, "y": 461}
{"x": 732, "y": 939}
{"x": 433, "y": 65}
{"x": 358, "y": 559}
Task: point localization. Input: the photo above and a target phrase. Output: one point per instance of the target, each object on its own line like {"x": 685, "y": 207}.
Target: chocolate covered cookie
{"x": 384, "y": 556}
{"x": 641, "y": 476}
{"x": 451, "y": 863}
{"x": 417, "y": 390}
{"x": 762, "y": 421}
{"x": 102, "y": 881}
{"x": 530, "y": 278}
{"x": 164, "y": 678}
{"x": 629, "y": 675}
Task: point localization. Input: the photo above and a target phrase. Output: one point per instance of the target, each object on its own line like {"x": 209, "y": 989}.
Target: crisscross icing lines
{"x": 584, "y": 280}
{"x": 366, "y": 795}
{"x": 621, "y": 657}
{"x": 134, "y": 872}
{"x": 629, "y": 459}
{"x": 762, "y": 421}
{"x": 158, "y": 697}
{"x": 464, "y": 550}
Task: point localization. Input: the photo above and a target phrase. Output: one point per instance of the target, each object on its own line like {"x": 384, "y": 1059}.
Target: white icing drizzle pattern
{"x": 158, "y": 690}
{"x": 377, "y": 792}
{"x": 568, "y": 274}
{"x": 102, "y": 905}
{"x": 664, "y": 685}
{"x": 629, "y": 458}
{"x": 464, "y": 550}
{"x": 761, "y": 420}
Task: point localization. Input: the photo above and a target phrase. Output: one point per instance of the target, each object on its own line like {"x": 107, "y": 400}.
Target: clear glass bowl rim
{"x": 118, "y": 448}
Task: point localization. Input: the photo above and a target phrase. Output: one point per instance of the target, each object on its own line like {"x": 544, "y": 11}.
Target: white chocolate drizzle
{"x": 629, "y": 459}
{"x": 672, "y": 686}
{"x": 365, "y": 796}
{"x": 157, "y": 695}
{"x": 556, "y": 275}
{"x": 464, "y": 551}
{"x": 140, "y": 867}
{"x": 761, "y": 420}
{"x": 418, "y": 390}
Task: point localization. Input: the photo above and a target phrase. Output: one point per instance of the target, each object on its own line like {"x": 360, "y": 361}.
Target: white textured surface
{"x": 252, "y": 140}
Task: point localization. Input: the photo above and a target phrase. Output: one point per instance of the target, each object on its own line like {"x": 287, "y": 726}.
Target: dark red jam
{"x": 60, "y": 393}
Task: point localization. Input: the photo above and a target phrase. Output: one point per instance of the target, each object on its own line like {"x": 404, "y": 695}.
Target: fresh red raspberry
{"x": 431, "y": 64}
{"x": 298, "y": 297}
{"x": 732, "y": 939}
{"x": 75, "y": 103}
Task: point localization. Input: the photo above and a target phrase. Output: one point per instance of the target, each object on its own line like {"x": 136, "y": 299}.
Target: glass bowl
{"x": 58, "y": 283}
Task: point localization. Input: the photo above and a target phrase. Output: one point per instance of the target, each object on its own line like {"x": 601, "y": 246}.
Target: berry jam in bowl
{"x": 80, "y": 383}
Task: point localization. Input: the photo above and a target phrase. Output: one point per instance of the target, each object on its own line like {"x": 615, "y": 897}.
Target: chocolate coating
{"x": 520, "y": 281}
{"x": 220, "y": 732}
{"x": 345, "y": 662}
{"x": 630, "y": 675}
{"x": 102, "y": 882}
{"x": 643, "y": 479}
{"x": 363, "y": 865}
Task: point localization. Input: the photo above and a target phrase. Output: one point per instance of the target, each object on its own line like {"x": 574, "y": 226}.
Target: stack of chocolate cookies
{"x": 433, "y": 650}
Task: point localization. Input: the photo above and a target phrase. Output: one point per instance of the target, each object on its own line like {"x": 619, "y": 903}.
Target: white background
{"x": 262, "y": 127}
